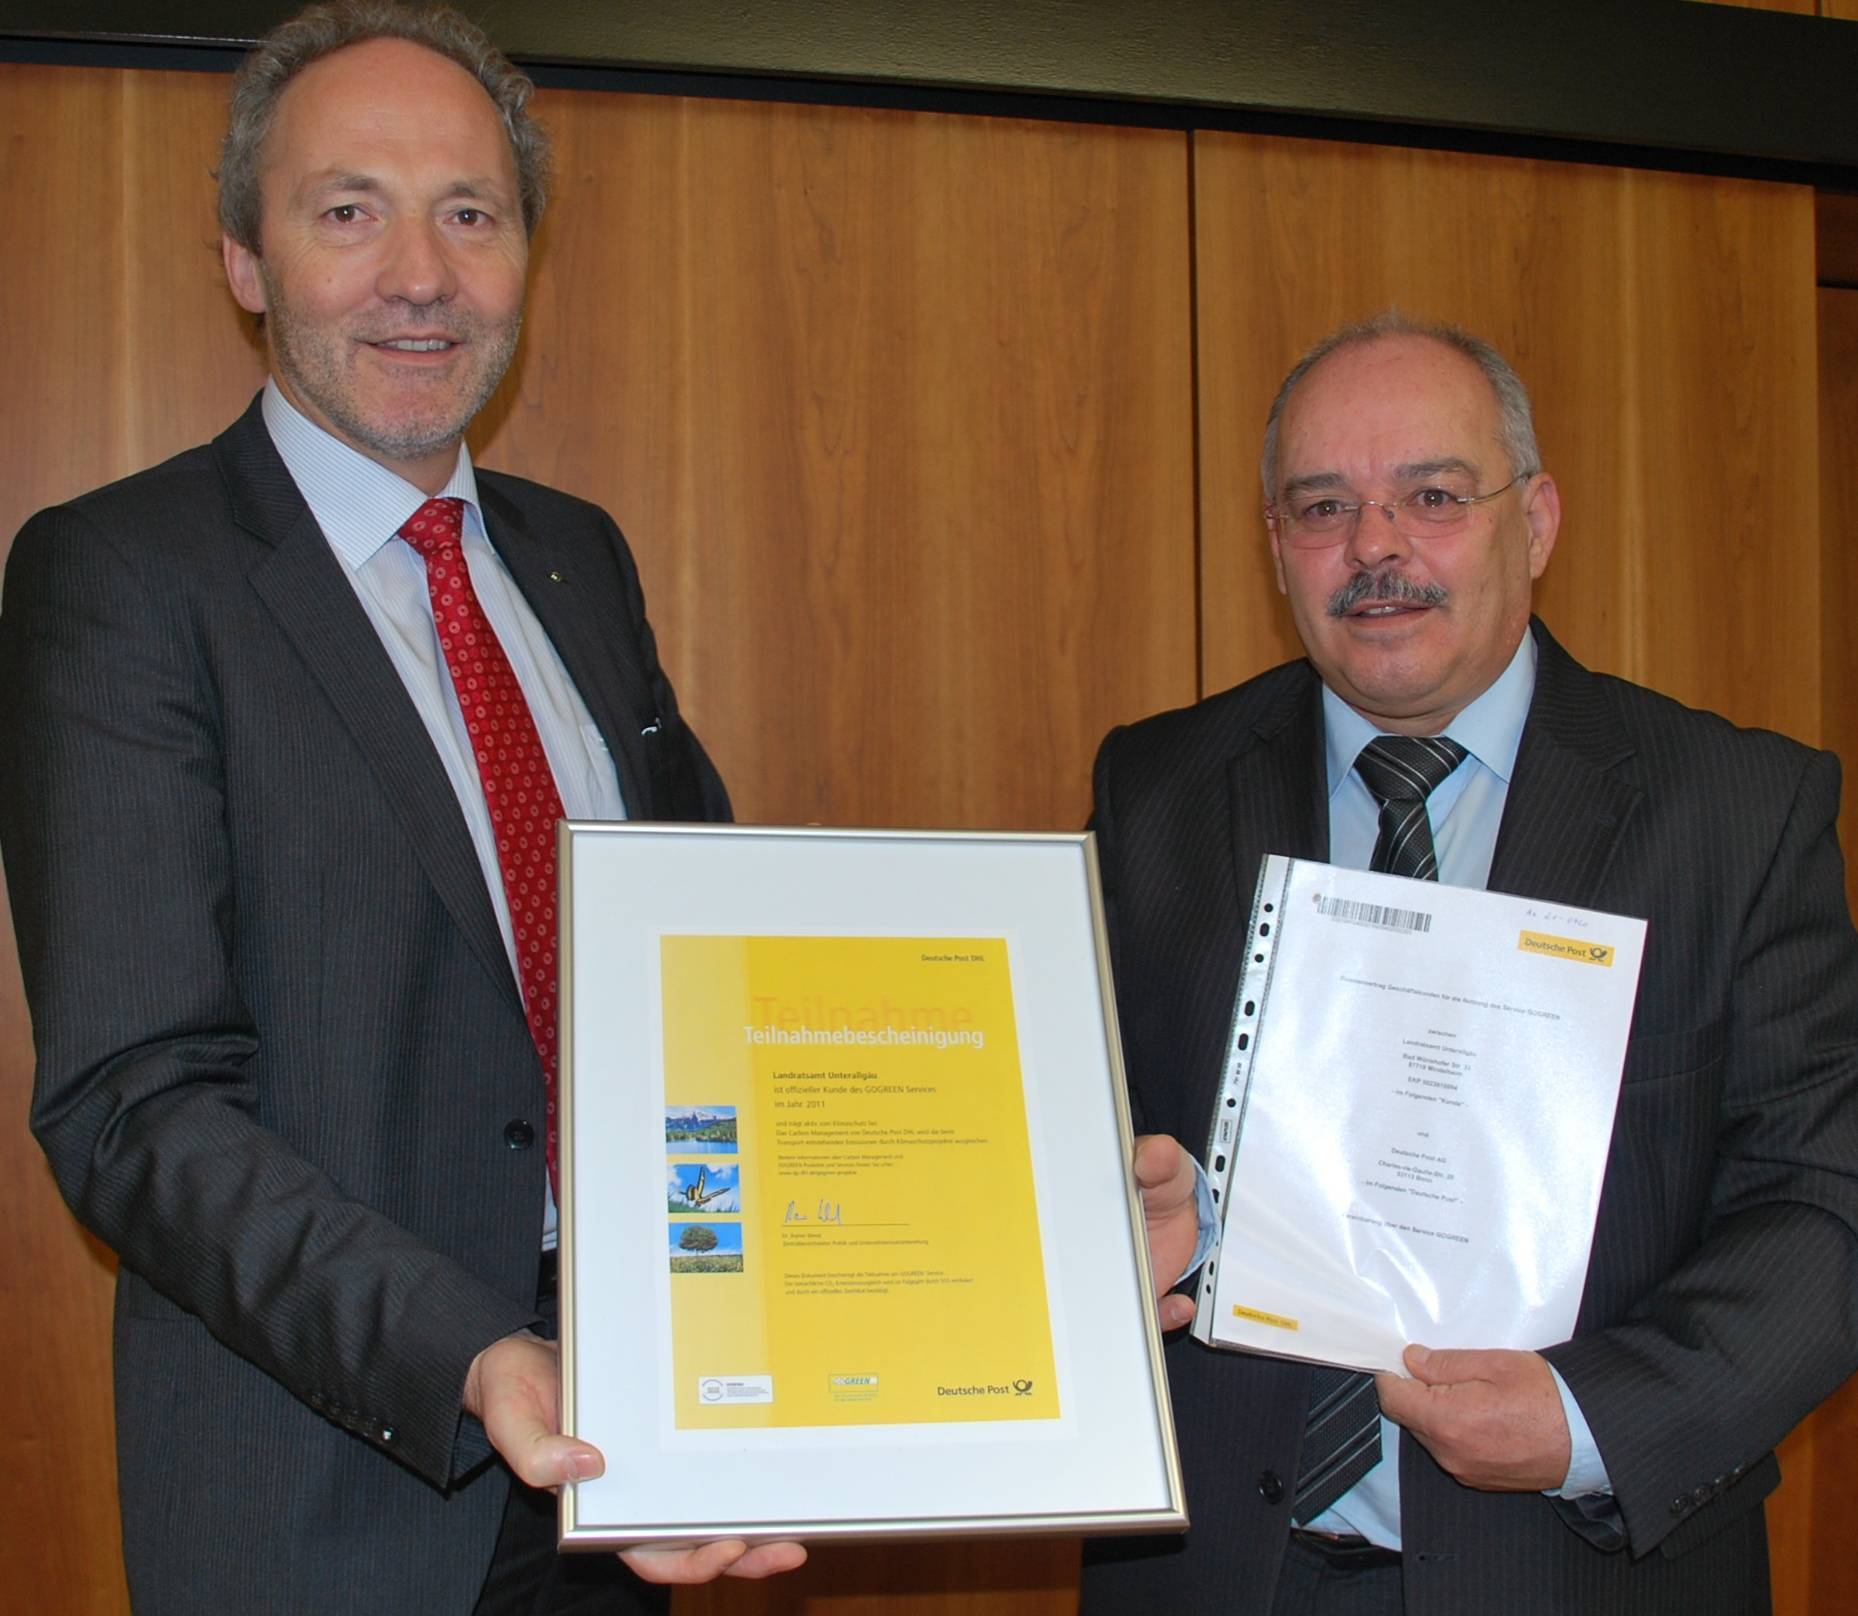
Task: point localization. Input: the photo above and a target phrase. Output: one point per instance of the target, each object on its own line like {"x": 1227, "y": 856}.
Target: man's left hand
{"x": 1492, "y": 1418}
{"x": 1164, "y": 1174}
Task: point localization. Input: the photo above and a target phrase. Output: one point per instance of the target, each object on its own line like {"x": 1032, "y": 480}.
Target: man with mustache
{"x": 289, "y": 722}
{"x": 1622, "y": 1470}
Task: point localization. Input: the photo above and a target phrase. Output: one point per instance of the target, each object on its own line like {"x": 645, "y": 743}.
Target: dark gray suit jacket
{"x": 279, "y": 1042}
{"x": 1720, "y": 1302}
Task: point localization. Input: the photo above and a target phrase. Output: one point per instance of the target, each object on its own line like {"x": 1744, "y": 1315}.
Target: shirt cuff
{"x": 1207, "y": 1215}
{"x": 1586, "y": 1469}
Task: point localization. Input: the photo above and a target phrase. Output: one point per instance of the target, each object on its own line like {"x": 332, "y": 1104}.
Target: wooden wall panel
{"x": 1838, "y": 515}
{"x": 1801, "y": 8}
{"x": 1836, "y": 218}
{"x": 61, "y": 138}
{"x": 123, "y": 346}
{"x": 1665, "y": 326}
{"x": 120, "y": 348}
{"x": 896, "y": 411}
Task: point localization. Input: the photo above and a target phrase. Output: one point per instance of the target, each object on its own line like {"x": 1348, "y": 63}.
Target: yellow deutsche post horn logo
{"x": 1567, "y": 948}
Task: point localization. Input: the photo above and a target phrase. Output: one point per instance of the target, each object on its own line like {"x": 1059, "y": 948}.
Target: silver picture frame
{"x": 804, "y": 1450}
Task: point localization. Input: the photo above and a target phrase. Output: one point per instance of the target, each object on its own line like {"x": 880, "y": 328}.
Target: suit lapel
{"x": 1276, "y": 803}
{"x": 1276, "y": 788}
{"x": 303, "y": 586}
{"x": 561, "y": 576}
{"x": 1571, "y": 796}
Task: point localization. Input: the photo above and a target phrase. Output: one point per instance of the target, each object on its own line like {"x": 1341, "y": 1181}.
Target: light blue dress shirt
{"x": 360, "y": 505}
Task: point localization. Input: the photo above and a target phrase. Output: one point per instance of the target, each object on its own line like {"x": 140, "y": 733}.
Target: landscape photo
{"x": 700, "y": 1130}
{"x": 706, "y": 1248}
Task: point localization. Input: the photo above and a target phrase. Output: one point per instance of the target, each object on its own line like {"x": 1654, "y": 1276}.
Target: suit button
{"x": 518, "y": 1135}
{"x": 1679, "y": 1505}
{"x": 1270, "y": 1488}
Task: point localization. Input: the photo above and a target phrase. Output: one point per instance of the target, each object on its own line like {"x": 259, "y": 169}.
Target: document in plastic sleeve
{"x": 1413, "y": 1124}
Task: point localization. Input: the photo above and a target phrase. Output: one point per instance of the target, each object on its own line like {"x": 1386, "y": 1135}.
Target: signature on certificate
{"x": 829, "y": 1212}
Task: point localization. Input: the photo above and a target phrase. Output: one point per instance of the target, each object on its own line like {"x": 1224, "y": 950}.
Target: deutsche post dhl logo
{"x": 1567, "y": 948}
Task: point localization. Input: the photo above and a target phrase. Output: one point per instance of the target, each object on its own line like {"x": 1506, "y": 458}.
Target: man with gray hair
{"x": 1437, "y": 730}
{"x": 289, "y": 722}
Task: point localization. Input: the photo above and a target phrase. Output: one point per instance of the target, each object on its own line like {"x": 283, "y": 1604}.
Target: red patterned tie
{"x": 519, "y": 789}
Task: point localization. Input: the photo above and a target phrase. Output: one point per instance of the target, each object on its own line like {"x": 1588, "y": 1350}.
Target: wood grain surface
{"x": 1650, "y": 314}
{"x": 896, "y": 410}
{"x": 120, "y": 348}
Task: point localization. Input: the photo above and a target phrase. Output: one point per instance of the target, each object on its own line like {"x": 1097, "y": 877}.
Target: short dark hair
{"x": 1515, "y": 420}
{"x": 324, "y": 29}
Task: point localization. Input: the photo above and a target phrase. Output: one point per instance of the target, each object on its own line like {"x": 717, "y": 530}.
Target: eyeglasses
{"x": 1312, "y": 521}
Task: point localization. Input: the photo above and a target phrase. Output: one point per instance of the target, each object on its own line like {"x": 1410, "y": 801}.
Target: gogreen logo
{"x": 712, "y": 1391}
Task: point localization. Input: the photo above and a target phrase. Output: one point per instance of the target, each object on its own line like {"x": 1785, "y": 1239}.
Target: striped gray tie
{"x": 1342, "y": 1436}
{"x": 1402, "y": 771}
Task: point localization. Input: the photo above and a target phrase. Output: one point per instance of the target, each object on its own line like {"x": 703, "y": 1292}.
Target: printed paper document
{"x": 1412, "y": 1130}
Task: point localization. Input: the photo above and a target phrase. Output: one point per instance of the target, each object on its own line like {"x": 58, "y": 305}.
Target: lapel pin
{"x": 554, "y": 577}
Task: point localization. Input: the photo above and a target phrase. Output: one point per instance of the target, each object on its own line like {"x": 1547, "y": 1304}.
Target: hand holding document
{"x": 1413, "y": 1126}
{"x": 1492, "y": 1416}
{"x": 1164, "y": 1178}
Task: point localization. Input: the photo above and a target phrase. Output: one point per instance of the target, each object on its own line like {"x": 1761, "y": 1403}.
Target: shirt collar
{"x": 357, "y": 502}
{"x": 1490, "y": 729}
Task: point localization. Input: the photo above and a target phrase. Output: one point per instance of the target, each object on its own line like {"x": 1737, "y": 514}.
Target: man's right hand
{"x": 1164, "y": 1174}
{"x": 514, "y": 1388}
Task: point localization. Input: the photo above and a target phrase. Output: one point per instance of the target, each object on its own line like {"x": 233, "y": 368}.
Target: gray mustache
{"x": 1387, "y": 585}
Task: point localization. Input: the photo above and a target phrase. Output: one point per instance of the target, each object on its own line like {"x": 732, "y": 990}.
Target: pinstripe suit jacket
{"x": 1719, "y": 1305}
{"x": 278, "y": 1036}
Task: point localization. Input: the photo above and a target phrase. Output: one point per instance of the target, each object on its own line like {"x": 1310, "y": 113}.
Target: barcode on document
{"x": 1373, "y": 914}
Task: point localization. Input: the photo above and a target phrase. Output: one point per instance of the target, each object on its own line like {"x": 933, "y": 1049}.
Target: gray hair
{"x": 1515, "y": 421}
{"x": 324, "y": 29}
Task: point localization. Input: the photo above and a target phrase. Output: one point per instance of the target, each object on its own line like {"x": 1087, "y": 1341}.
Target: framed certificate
{"x": 850, "y": 1244}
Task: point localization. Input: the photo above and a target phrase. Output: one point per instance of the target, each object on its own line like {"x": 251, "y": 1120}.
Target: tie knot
{"x": 1407, "y": 768}
{"x": 436, "y": 526}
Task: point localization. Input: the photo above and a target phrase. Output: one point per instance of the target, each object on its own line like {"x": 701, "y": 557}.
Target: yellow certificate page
{"x": 852, "y": 1232}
